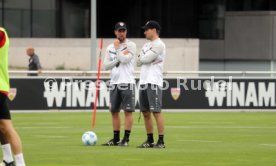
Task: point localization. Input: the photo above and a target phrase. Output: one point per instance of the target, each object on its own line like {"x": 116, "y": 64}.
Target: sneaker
{"x": 159, "y": 145}
{"x": 111, "y": 143}
{"x": 123, "y": 143}
{"x": 4, "y": 163}
{"x": 146, "y": 144}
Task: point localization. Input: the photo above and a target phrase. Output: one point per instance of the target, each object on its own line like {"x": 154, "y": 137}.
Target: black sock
{"x": 127, "y": 134}
{"x": 116, "y": 136}
{"x": 150, "y": 138}
{"x": 161, "y": 139}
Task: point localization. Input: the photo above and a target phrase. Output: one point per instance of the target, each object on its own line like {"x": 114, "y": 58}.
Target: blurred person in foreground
{"x": 9, "y": 138}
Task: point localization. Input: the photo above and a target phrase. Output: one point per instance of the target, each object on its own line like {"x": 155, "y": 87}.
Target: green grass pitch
{"x": 192, "y": 139}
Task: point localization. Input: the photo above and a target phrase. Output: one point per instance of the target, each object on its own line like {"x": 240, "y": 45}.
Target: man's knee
{"x": 4, "y": 127}
{"x": 147, "y": 115}
{"x": 128, "y": 114}
{"x": 157, "y": 114}
{"x": 115, "y": 114}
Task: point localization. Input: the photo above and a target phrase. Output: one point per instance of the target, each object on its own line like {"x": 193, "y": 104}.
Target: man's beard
{"x": 121, "y": 39}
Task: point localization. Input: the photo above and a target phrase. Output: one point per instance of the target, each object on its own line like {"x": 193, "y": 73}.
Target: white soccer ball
{"x": 89, "y": 138}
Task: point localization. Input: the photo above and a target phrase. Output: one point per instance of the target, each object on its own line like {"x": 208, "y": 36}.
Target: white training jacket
{"x": 151, "y": 60}
{"x": 121, "y": 66}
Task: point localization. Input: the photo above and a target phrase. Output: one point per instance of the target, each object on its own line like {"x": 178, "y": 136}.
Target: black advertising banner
{"x": 79, "y": 93}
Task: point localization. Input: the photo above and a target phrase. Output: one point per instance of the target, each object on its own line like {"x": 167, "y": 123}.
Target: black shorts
{"x": 150, "y": 98}
{"x": 122, "y": 96}
{"x": 4, "y": 109}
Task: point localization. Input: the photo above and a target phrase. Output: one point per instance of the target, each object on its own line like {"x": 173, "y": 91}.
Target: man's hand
{"x": 116, "y": 44}
{"x": 126, "y": 52}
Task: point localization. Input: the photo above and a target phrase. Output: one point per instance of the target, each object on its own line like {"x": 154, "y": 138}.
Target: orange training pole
{"x": 97, "y": 84}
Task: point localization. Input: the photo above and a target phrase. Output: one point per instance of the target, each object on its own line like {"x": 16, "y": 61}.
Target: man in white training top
{"x": 151, "y": 60}
{"x": 120, "y": 59}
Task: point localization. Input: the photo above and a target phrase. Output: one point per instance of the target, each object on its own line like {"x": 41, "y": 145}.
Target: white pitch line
{"x": 131, "y": 159}
{"x": 274, "y": 145}
{"x": 47, "y": 123}
{"x": 164, "y": 110}
{"x": 220, "y": 127}
{"x": 42, "y": 127}
{"x": 211, "y": 122}
{"x": 47, "y": 136}
{"x": 208, "y": 141}
{"x": 39, "y": 124}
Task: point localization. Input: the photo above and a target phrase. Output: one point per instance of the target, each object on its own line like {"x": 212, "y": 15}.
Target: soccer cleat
{"x": 4, "y": 163}
{"x": 159, "y": 145}
{"x": 123, "y": 143}
{"x": 146, "y": 144}
{"x": 111, "y": 143}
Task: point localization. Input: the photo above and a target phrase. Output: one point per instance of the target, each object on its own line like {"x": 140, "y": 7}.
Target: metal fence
{"x": 167, "y": 74}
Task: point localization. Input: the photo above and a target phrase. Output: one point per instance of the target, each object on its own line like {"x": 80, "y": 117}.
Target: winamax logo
{"x": 242, "y": 94}
{"x": 76, "y": 94}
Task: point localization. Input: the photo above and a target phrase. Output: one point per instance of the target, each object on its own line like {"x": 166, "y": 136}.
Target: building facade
{"x": 201, "y": 19}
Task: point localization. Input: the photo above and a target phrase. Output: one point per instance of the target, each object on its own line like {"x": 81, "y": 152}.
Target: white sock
{"x": 19, "y": 160}
{"x": 7, "y": 153}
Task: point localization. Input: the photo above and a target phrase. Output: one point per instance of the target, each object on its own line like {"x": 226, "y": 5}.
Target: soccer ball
{"x": 89, "y": 138}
